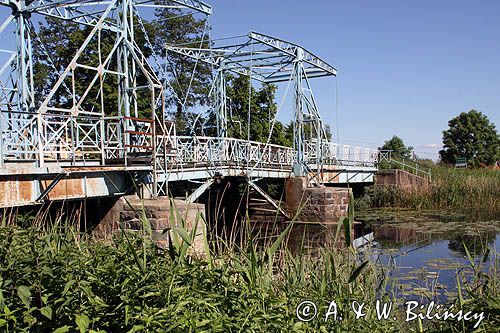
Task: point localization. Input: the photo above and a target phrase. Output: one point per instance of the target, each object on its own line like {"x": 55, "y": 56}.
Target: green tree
{"x": 57, "y": 44}
{"x": 189, "y": 80}
{"x": 398, "y": 148}
{"x": 473, "y": 136}
{"x": 242, "y": 96}
{"x": 59, "y": 40}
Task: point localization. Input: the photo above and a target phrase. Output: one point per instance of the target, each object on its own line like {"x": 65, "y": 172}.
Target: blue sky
{"x": 405, "y": 67}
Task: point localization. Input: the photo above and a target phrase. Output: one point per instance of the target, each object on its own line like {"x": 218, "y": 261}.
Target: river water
{"x": 423, "y": 251}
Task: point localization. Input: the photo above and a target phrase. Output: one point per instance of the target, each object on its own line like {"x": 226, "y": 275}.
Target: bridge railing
{"x": 336, "y": 154}
{"x": 114, "y": 139}
{"x": 388, "y": 160}
{"x": 233, "y": 152}
{"x": 237, "y": 152}
{"x": 71, "y": 138}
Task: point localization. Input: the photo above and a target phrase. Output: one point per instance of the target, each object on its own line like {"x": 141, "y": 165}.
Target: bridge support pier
{"x": 318, "y": 211}
{"x": 316, "y": 204}
{"x": 131, "y": 212}
{"x": 403, "y": 180}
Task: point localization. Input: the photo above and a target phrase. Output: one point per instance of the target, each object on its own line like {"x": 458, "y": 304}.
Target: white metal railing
{"x": 409, "y": 165}
{"x": 206, "y": 150}
{"x": 57, "y": 137}
{"x": 75, "y": 138}
{"x": 229, "y": 151}
{"x": 335, "y": 154}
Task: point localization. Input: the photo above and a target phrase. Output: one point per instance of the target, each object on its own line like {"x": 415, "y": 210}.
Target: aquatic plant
{"x": 466, "y": 189}
{"x": 53, "y": 278}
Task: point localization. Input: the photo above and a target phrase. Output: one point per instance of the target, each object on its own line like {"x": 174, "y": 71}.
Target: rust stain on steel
{"x": 66, "y": 188}
{"x": 329, "y": 174}
{"x": 15, "y": 191}
{"x": 4, "y": 192}
{"x": 22, "y": 190}
{"x": 92, "y": 169}
{"x": 77, "y": 186}
{"x": 89, "y": 169}
{"x": 25, "y": 190}
{"x": 96, "y": 187}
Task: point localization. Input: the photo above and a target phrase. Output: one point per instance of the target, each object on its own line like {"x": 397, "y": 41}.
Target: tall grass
{"x": 467, "y": 189}
{"x": 52, "y": 280}
{"x": 55, "y": 279}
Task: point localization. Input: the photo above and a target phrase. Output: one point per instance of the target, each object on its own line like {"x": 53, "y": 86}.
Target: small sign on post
{"x": 461, "y": 162}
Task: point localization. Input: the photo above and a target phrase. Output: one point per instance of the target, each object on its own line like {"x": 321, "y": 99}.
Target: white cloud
{"x": 430, "y": 145}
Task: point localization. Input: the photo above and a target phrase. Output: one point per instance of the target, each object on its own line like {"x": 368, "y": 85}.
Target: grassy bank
{"x": 464, "y": 189}
{"x": 58, "y": 280}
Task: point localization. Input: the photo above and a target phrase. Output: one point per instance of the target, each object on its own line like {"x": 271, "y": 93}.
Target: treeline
{"x": 188, "y": 82}
{"x": 470, "y": 137}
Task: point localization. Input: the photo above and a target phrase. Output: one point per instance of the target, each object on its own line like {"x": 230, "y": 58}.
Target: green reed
{"x": 468, "y": 189}
{"x": 55, "y": 279}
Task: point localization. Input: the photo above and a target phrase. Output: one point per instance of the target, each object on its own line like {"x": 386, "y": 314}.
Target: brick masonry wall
{"x": 127, "y": 213}
{"x": 321, "y": 208}
{"x": 401, "y": 179}
{"x": 316, "y": 204}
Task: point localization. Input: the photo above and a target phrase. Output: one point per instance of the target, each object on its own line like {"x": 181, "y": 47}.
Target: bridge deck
{"x": 75, "y": 171}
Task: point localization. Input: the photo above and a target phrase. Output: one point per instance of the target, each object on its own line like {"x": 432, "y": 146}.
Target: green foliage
{"x": 53, "y": 51}
{"x": 59, "y": 41}
{"x": 263, "y": 108}
{"x": 472, "y": 190}
{"x": 190, "y": 81}
{"x": 171, "y": 27}
{"x": 57, "y": 280}
{"x": 481, "y": 293}
{"x": 52, "y": 281}
{"x": 473, "y": 136}
{"x": 399, "y": 150}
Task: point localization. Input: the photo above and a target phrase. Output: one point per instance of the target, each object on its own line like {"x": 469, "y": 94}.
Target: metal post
{"x": 124, "y": 87}
{"x": 23, "y": 74}
{"x": 298, "y": 130}
{"x": 1, "y": 138}
{"x": 23, "y": 58}
{"x": 153, "y": 143}
{"x": 221, "y": 104}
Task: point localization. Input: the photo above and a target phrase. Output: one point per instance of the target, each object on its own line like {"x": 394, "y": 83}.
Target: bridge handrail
{"x": 334, "y": 153}
{"x": 207, "y": 138}
{"x": 244, "y": 151}
{"x": 80, "y": 137}
{"x": 415, "y": 167}
{"x": 241, "y": 152}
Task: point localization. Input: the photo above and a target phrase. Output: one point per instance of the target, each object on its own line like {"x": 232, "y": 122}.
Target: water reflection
{"x": 475, "y": 243}
{"x": 423, "y": 253}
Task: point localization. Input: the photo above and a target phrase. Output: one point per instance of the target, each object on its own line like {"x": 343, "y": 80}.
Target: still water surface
{"x": 423, "y": 251}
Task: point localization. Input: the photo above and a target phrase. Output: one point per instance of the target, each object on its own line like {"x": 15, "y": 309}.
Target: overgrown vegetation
{"x": 54, "y": 279}
{"x": 467, "y": 189}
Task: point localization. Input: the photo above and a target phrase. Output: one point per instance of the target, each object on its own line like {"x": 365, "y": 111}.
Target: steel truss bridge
{"x": 65, "y": 144}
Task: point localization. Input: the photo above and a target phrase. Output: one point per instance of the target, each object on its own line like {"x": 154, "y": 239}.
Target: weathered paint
{"x": 16, "y": 192}
{"x": 21, "y": 190}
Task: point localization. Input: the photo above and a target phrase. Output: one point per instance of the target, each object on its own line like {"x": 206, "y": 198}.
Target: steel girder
{"x": 72, "y": 125}
{"x": 271, "y": 60}
{"x": 262, "y": 57}
{"x": 88, "y": 12}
